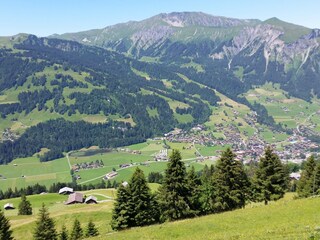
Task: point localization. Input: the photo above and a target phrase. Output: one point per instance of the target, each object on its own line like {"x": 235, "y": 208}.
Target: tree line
{"x": 182, "y": 194}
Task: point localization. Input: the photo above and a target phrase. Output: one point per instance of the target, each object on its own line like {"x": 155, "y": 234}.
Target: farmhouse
{"x": 65, "y": 190}
{"x": 111, "y": 175}
{"x": 90, "y": 200}
{"x": 8, "y": 206}
{"x": 74, "y": 198}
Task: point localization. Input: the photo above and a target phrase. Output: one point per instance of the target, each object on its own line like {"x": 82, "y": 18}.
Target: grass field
{"x": 29, "y": 171}
{"x": 145, "y": 160}
{"x": 285, "y": 219}
{"x": 288, "y": 111}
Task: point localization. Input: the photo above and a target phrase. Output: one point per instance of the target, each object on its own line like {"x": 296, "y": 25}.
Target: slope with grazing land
{"x": 284, "y": 219}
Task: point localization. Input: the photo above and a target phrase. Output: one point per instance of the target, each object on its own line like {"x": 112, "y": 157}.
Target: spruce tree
{"x": 121, "y": 214}
{"x": 45, "y": 229}
{"x": 5, "y": 231}
{"x": 144, "y": 207}
{"x": 231, "y": 183}
{"x": 77, "y": 232}
{"x": 64, "y": 233}
{"x": 270, "y": 178}
{"x": 207, "y": 194}
{"x": 91, "y": 230}
{"x": 194, "y": 191}
{"x": 173, "y": 194}
{"x": 24, "y": 206}
{"x": 306, "y": 184}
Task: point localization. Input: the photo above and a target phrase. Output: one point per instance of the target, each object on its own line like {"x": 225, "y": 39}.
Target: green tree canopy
{"x": 24, "y": 206}
{"x": 77, "y": 232}
{"x": 306, "y": 185}
{"x": 63, "y": 235}
{"x": 121, "y": 213}
{"x": 173, "y": 194}
{"x": 231, "y": 183}
{"x": 144, "y": 207}
{"x": 91, "y": 230}
{"x": 5, "y": 231}
{"x": 270, "y": 179}
{"x": 45, "y": 227}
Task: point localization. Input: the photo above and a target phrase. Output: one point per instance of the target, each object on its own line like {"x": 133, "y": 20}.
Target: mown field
{"x": 29, "y": 171}
{"x": 285, "y": 219}
{"x": 289, "y": 111}
{"x": 145, "y": 160}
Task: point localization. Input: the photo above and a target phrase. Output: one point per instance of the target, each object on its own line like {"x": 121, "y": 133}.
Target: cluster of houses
{"x": 88, "y": 165}
{"x": 250, "y": 149}
{"x": 77, "y": 197}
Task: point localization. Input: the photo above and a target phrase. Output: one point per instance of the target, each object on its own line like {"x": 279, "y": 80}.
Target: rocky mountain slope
{"x": 261, "y": 51}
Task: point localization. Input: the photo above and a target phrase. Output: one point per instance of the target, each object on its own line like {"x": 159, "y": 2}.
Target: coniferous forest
{"x": 187, "y": 194}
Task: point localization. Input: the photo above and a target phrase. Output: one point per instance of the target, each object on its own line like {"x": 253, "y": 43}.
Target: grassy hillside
{"x": 285, "y": 219}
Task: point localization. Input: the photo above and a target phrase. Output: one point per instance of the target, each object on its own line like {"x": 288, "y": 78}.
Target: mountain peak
{"x": 182, "y": 19}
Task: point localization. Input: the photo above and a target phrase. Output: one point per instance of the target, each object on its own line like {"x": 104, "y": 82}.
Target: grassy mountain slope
{"x": 285, "y": 219}
{"x": 291, "y": 31}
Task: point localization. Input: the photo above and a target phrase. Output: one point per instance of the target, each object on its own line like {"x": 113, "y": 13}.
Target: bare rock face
{"x": 235, "y": 37}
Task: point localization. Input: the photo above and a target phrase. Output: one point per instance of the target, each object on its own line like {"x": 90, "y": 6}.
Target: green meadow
{"x": 29, "y": 171}
{"x": 284, "y": 219}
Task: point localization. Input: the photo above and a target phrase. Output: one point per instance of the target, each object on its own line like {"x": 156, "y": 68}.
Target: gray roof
{"x": 8, "y": 206}
{"x": 65, "y": 190}
{"x": 91, "y": 199}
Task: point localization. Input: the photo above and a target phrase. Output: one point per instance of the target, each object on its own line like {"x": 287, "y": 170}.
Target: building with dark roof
{"x": 74, "y": 198}
{"x": 91, "y": 199}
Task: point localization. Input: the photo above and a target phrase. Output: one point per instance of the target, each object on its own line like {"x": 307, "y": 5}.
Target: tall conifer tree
{"x": 144, "y": 207}
{"x": 5, "y": 231}
{"x": 306, "y": 184}
{"x": 173, "y": 194}
{"x": 231, "y": 183}
{"x": 121, "y": 214}
{"x": 77, "y": 232}
{"x": 207, "y": 198}
{"x": 270, "y": 179}
{"x": 63, "y": 235}
{"x": 25, "y": 206}
{"x": 194, "y": 191}
{"x": 91, "y": 230}
{"x": 45, "y": 229}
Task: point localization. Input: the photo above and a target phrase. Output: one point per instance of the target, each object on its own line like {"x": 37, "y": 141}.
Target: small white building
{"x": 8, "y": 206}
{"x": 295, "y": 175}
{"x": 125, "y": 184}
{"x": 66, "y": 190}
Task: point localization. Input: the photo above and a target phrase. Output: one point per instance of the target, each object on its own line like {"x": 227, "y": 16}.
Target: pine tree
{"x": 231, "y": 183}
{"x": 5, "y": 232}
{"x": 194, "y": 191}
{"x": 173, "y": 194}
{"x": 121, "y": 214}
{"x": 270, "y": 179}
{"x": 306, "y": 184}
{"x": 25, "y": 206}
{"x": 45, "y": 229}
{"x": 77, "y": 232}
{"x": 207, "y": 195}
{"x": 91, "y": 230}
{"x": 64, "y": 233}
{"x": 144, "y": 207}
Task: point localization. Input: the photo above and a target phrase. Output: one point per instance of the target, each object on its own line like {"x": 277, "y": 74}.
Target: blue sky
{"x": 45, "y": 17}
